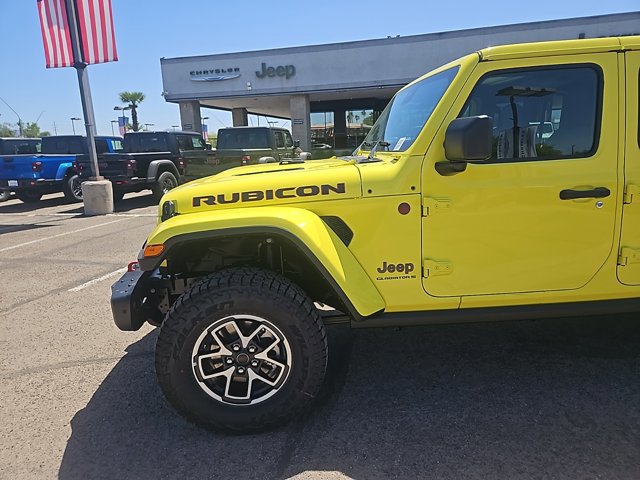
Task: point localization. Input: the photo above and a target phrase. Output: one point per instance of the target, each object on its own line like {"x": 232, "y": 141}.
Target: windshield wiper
{"x": 374, "y": 149}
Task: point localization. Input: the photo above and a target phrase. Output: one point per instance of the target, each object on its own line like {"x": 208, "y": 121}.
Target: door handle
{"x": 598, "y": 192}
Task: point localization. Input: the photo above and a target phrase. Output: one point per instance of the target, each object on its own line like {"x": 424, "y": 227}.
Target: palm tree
{"x": 133, "y": 99}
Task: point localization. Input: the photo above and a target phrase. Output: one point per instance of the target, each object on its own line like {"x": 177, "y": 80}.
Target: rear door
{"x": 540, "y": 214}
{"x": 629, "y": 256}
{"x": 197, "y": 160}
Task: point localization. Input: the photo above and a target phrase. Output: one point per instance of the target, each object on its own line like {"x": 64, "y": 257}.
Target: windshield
{"x": 401, "y": 122}
{"x": 243, "y": 138}
{"x": 145, "y": 142}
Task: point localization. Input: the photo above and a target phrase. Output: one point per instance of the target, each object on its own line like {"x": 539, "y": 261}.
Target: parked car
{"x": 151, "y": 160}
{"x": 52, "y": 169}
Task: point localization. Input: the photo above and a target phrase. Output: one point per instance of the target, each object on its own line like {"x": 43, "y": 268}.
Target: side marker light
{"x": 153, "y": 250}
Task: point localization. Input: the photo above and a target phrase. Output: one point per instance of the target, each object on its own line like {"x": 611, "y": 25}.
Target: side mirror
{"x": 296, "y": 143}
{"x": 266, "y": 160}
{"x": 469, "y": 139}
{"x": 207, "y": 146}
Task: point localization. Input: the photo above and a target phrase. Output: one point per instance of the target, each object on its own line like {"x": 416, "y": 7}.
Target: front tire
{"x": 4, "y": 195}
{"x": 165, "y": 182}
{"x": 73, "y": 188}
{"x": 242, "y": 351}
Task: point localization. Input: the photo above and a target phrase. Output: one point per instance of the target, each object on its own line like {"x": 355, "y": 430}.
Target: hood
{"x": 269, "y": 184}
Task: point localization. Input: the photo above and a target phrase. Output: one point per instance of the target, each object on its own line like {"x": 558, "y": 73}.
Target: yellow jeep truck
{"x": 503, "y": 185}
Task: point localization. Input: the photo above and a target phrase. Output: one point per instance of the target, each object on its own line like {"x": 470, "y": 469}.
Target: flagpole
{"x": 85, "y": 90}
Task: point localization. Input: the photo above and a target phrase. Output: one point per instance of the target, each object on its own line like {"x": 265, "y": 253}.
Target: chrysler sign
{"x": 214, "y": 74}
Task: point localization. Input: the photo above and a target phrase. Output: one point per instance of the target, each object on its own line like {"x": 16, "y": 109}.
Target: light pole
{"x": 112, "y": 122}
{"x": 73, "y": 124}
{"x": 147, "y": 125}
{"x": 124, "y": 119}
{"x": 19, "y": 119}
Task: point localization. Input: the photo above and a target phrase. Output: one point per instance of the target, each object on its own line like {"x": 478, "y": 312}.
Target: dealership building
{"x": 332, "y": 93}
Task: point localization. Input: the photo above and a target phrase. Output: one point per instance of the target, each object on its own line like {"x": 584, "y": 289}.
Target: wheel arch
{"x": 320, "y": 253}
{"x": 156, "y": 167}
{"x": 64, "y": 170}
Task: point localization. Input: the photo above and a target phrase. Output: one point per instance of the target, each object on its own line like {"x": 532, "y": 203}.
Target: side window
{"x": 288, "y": 141}
{"x": 279, "y": 139}
{"x": 116, "y": 145}
{"x": 541, "y": 113}
{"x": 184, "y": 142}
{"x": 198, "y": 143}
{"x": 101, "y": 146}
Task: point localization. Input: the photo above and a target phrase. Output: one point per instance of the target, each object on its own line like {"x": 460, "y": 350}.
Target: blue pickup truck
{"x": 53, "y": 169}
{"x": 17, "y": 146}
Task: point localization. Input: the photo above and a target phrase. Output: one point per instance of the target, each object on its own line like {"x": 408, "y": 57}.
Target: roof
{"x": 561, "y": 47}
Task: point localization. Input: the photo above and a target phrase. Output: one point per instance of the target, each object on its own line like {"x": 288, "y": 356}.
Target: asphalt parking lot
{"x": 523, "y": 400}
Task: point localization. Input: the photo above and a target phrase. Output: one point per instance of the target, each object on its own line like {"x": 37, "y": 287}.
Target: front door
{"x": 629, "y": 257}
{"x": 540, "y": 214}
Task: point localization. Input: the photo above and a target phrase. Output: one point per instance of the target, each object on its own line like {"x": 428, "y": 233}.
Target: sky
{"x": 147, "y": 30}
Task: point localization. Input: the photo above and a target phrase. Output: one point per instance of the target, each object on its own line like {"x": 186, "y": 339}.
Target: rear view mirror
{"x": 469, "y": 139}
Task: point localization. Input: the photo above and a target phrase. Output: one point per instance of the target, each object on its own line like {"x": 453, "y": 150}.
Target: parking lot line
{"x": 58, "y": 235}
{"x": 96, "y": 280}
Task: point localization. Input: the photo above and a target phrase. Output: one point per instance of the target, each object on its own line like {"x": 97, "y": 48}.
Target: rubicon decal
{"x": 401, "y": 271}
{"x": 278, "y": 193}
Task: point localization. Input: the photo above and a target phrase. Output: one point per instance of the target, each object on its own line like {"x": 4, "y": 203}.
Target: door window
{"x": 288, "y": 141}
{"x": 279, "y": 139}
{"x": 540, "y": 114}
{"x": 184, "y": 142}
{"x": 197, "y": 143}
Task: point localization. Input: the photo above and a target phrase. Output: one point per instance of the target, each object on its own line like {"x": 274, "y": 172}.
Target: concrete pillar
{"x": 190, "y": 116}
{"x": 97, "y": 197}
{"x": 240, "y": 117}
{"x": 340, "y": 128}
{"x": 300, "y": 112}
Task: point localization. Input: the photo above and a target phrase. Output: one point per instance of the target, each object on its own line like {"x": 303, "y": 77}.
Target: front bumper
{"x": 135, "y": 299}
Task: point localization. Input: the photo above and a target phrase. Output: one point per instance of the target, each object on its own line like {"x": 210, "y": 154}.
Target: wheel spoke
{"x": 263, "y": 355}
{"x": 257, "y": 376}
{"x": 223, "y": 349}
{"x": 271, "y": 361}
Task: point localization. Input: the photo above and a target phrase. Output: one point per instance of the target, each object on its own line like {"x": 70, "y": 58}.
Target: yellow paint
{"x": 629, "y": 263}
{"x": 493, "y": 235}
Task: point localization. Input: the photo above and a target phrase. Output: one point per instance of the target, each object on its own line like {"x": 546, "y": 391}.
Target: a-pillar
{"x": 240, "y": 117}
{"x": 300, "y": 120}
{"x": 190, "y": 116}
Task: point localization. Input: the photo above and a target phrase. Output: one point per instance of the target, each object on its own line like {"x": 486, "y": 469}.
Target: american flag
{"x": 55, "y": 33}
{"x": 95, "y": 27}
{"x": 122, "y": 123}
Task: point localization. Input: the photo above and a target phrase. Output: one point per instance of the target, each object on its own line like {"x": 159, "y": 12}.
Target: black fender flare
{"x": 161, "y": 165}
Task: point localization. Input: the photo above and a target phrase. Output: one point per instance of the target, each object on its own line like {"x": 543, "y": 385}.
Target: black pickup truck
{"x": 151, "y": 160}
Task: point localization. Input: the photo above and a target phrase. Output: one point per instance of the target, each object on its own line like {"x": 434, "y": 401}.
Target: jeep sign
{"x": 286, "y": 71}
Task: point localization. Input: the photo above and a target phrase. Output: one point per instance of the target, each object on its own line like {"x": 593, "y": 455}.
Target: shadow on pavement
{"x": 16, "y": 206}
{"x": 19, "y": 227}
{"x": 131, "y": 203}
{"x": 547, "y": 399}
